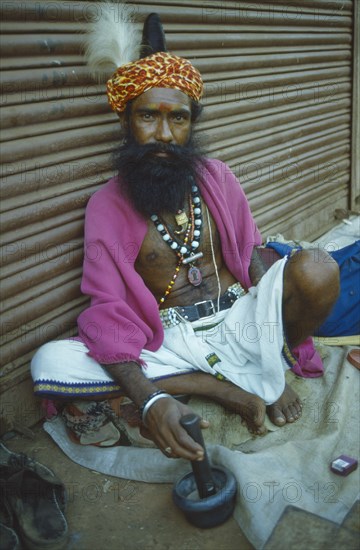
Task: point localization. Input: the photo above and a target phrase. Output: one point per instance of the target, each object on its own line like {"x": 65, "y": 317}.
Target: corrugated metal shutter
{"x": 277, "y": 110}
{"x": 355, "y": 114}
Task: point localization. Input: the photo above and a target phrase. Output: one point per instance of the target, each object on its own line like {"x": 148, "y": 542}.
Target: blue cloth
{"x": 344, "y": 319}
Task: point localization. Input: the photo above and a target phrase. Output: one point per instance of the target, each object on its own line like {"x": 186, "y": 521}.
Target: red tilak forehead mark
{"x": 167, "y": 107}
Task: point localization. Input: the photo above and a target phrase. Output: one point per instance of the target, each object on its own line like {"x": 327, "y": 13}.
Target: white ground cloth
{"x": 290, "y": 465}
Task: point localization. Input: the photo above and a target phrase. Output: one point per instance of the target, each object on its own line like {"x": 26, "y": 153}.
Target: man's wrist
{"x": 132, "y": 381}
{"x": 149, "y": 402}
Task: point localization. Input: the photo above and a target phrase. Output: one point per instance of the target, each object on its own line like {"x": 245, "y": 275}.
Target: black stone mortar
{"x": 206, "y": 495}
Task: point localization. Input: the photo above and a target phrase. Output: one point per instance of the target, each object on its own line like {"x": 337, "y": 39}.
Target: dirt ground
{"x": 112, "y": 513}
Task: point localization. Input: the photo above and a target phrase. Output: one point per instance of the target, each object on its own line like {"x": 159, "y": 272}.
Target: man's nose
{"x": 163, "y": 132}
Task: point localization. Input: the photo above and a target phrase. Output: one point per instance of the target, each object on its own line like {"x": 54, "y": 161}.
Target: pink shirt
{"x": 123, "y": 318}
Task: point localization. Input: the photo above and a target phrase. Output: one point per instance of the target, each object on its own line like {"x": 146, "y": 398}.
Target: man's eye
{"x": 147, "y": 116}
{"x": 179, "y": 118}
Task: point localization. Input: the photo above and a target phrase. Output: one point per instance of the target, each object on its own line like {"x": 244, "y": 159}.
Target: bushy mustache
{"x": 157, "y": 183}
{"x": 136, "y": 154}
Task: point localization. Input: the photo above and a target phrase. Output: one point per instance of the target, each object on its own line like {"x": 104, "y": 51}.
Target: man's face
{"x": 158, "y": 161}
{"x": 161, "y": 116}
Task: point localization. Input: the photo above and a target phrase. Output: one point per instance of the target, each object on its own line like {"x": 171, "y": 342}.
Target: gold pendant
{"x": 182, "y": 220}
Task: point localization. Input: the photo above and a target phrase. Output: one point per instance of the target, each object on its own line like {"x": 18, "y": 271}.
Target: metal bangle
{"x": 150, "y": 403}
{"x": 150, "y": 396}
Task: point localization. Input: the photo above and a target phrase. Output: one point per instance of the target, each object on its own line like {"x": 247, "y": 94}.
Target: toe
{"x": 276, "y": 416}
{"x": 287, "y": 409}
{"x": 284, "y": 415}
{"x": 257, "y": 430}
{"x": 294, "y": 411}
{"x": 261, "y": 431}
{"x": 289, "y": 414}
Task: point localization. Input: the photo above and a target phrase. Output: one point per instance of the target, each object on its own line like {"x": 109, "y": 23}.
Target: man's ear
{"x": 123, "y": 121}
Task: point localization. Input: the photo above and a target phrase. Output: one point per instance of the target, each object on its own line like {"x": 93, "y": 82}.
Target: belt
{"x": 172, "y": 316}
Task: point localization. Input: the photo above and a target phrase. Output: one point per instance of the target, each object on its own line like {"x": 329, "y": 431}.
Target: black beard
{"x": 157, "y": 184}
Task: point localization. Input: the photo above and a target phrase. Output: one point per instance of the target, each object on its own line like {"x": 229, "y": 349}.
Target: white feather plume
{"x": 112, "y": 40}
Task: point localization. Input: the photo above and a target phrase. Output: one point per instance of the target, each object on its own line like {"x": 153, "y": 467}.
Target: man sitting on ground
{"x": 180, "y": 300}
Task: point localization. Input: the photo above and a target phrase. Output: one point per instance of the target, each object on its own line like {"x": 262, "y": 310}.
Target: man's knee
{"x": 42, "y": 357}
{"x": 50, "y": 356}
{"x": 314, "y": 275}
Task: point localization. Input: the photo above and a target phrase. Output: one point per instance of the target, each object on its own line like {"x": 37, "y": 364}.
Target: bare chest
{"x": 159, "y": 266}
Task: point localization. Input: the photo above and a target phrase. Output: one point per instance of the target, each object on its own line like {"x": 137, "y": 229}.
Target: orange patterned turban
{"x": 159, "y": 70}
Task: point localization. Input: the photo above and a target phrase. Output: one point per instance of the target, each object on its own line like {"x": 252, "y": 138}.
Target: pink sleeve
{"x": 111, "y": 326}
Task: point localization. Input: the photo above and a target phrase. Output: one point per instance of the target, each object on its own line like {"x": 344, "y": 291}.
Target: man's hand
{"x": 164, "y": 428}
{"x": 163, "y": 418}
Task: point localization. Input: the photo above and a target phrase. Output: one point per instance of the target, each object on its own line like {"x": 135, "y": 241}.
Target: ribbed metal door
{"x": 277, "y": 110}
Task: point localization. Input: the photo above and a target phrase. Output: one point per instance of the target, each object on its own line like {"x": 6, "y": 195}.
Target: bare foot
{"x": 285, "y": 410}
{"x": 250, "y": 407}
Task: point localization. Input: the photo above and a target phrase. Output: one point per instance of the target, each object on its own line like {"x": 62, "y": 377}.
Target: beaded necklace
{"x": 184, "y": 250}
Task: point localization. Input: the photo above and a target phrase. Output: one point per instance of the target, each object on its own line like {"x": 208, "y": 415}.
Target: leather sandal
{"x": 9, "y": 539}
{"x": 37, "y": 499}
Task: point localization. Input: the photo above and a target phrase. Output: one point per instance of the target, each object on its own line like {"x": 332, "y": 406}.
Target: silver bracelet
{"x": 150, "y": 404}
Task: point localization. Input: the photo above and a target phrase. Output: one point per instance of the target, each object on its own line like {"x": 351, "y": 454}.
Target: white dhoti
{"x": 244, "y": 344}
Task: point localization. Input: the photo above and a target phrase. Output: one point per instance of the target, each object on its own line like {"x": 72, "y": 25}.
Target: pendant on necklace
{"x": 194, "y": 276}
{"x": 181, "y": 220}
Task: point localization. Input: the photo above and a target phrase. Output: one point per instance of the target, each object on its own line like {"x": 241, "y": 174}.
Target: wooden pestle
{"x": 201, "y": 469}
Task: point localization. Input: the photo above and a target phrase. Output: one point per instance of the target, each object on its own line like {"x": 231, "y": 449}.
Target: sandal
{"x": 9, "y": 539}
{"x": 37, "y": 500}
